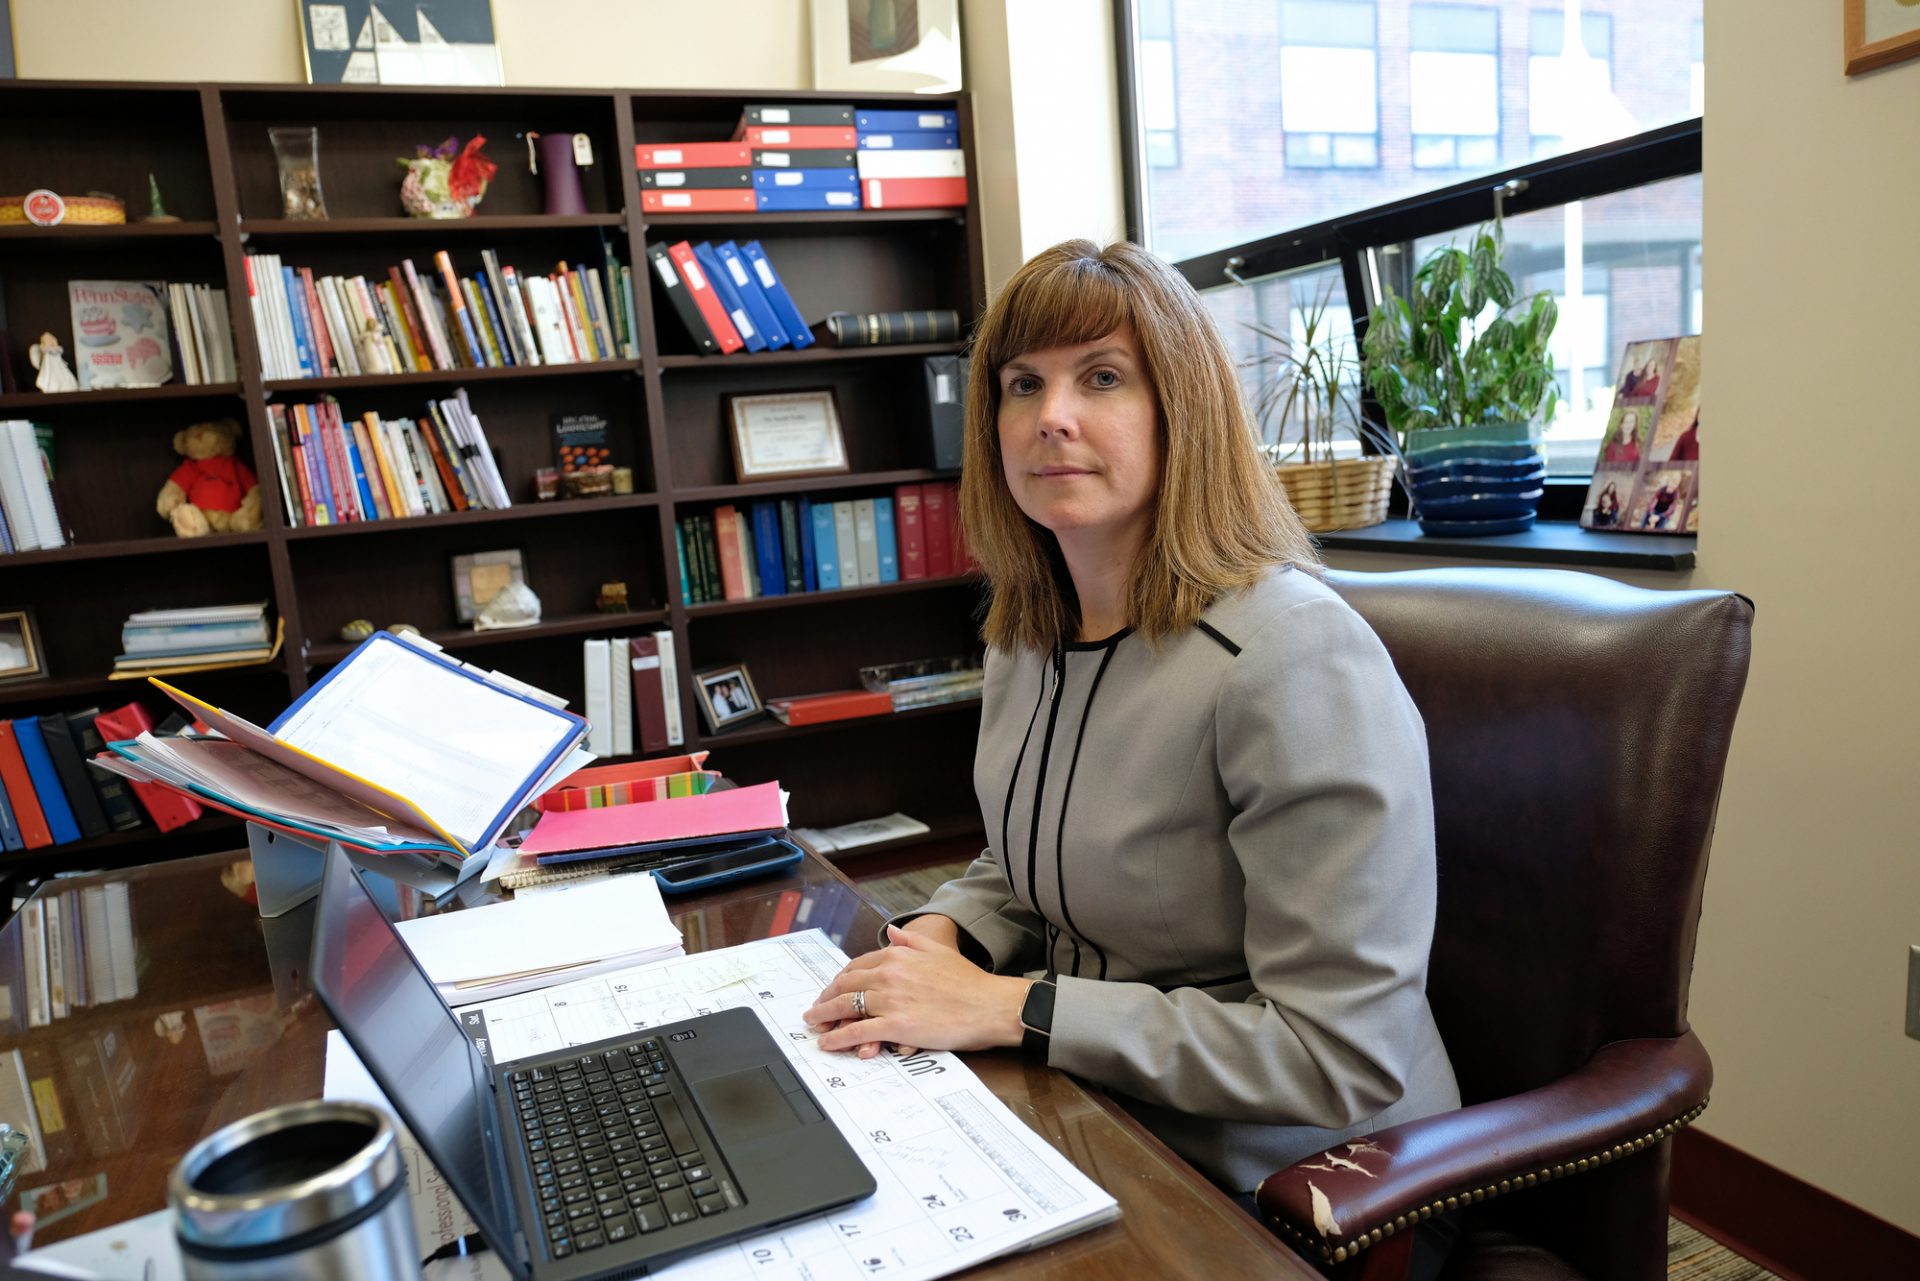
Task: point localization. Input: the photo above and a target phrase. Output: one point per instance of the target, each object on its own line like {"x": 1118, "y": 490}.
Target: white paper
{"x": 961, "y": 1179}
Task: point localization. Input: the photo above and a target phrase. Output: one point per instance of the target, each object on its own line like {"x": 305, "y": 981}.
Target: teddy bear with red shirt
{"x": 212, "y": 491}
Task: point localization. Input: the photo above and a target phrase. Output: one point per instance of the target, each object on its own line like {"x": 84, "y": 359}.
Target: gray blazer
{"x": 1225, "y": 852}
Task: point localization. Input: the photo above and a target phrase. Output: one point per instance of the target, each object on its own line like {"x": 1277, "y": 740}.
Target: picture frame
{"x": 888, "y": 46}
{"x": 452, "y": 42}
{"x": 727, "y": 696}
{"x": 1880, "y": 33}
{"x": 479, "y": 576}
{"x": 777, "y": 435}
{"x": 22, "y": 657}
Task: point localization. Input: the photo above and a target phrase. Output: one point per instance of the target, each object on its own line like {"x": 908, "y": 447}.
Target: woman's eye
{"x": 1105, "y": 378}
{"x": 1022, "y": 385}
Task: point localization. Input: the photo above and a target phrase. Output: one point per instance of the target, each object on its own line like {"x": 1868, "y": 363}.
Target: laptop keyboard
{"x": 612, "y": 1152}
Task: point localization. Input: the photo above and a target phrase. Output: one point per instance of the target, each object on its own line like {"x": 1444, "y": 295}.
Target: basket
{"x": 1346, "y": 493}
{"x": 88, "y": 211}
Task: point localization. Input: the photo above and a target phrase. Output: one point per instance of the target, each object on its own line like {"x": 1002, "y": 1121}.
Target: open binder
{"x": 397, "y": 749}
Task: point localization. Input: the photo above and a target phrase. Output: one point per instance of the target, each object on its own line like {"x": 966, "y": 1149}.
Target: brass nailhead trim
{"x": 1340, "y": 1254}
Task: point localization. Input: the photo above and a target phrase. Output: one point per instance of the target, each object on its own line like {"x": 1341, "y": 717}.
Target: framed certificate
{"x": 789, "y": 433}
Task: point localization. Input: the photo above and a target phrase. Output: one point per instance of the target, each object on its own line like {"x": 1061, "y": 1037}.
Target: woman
{"x": 1209, "y": 885}
{"x": 1625, "y": 445}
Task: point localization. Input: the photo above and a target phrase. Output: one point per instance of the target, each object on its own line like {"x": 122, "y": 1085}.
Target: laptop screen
{"x": 410, "y": 1042}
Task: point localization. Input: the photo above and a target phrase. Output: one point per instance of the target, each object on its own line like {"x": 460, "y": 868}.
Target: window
{"x": 1159, "y": 112}
{"x": 1697, "y": 73}
{"x": 1453, "y": 73}
{"x": 1329, "y": 110}
{"x": 1570, "y": 102}
{"x": 1280, "y": 304}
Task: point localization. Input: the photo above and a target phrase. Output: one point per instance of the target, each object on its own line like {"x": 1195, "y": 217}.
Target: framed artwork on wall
{"x": 1881, "y": 32}
{"x": 887, "y": 46}
{"x": 422, "y": 42}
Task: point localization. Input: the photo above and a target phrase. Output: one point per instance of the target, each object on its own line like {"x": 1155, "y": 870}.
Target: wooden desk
{"x": 224, "y": 1025}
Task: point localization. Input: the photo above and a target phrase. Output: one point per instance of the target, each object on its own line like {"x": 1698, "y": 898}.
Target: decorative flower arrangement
{"x": 446, "y": 181}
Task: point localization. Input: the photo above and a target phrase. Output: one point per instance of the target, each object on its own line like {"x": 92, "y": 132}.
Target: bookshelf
{"x": 207, "y": 146}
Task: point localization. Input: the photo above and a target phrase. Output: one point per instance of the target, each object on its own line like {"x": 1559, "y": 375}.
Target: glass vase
{"x": 296, "y": 152}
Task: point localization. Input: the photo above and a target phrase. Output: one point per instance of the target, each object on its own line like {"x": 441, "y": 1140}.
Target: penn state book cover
{"x": 120, "y": 335}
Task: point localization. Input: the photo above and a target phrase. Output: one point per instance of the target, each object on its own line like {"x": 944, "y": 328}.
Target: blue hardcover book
{"x": 475, "y": 349}
{"x": 884, "y": 543}
{"x": 909, "y": 140}
{"x": 729, "y": 297}
{"x": 792, "y": 199}
{"x": 826, "y": 554}
{"x": 752, "y": 297}
{"x": 769, "y": 561}
{"x": 9, "y": 826}
{"x": 680, "y": 549}
{"x": 906, "y": 121}
{"x": 806, "y": 179}
{"x": 808, "y": 574}
{"x": 482, "y": 287}
{"x": 297, "y": 312}
{"x": 365, "y": 491}
{"x": 777, "y": 296}
{"x": 46, "y": 781}
{"x": 318, "y": 466}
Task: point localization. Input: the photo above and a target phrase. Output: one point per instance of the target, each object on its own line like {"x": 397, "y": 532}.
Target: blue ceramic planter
{"x": 1475, "y": 481}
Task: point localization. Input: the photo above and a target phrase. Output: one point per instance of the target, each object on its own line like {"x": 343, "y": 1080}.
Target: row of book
{"x": 336, "y": 326}
{"x": 335, "y": 470}
{"x": 78, "y": 951}
{"x": 52, "y": 794}
{"x": 779, "y": 546}
{"x": 632, "y": 695}
{"x": 810, "y": 156}
{"x": 141, "y": 333}
{"x": 29, "y": 519}
{"x": 202, "y": 338}
{"x": 156, "y": 639}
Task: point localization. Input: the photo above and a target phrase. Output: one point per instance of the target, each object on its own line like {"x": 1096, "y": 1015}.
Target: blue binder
{"x": 10, "y": 836}
{"x": 364, "y": 491}
{"x": 906, "y": 121}
{"x": 808, "y": 573}
{"x": 806, "y": 199}
{"x": 806, "y": 180}
{"x": 752, "y": 297}
{"x": 770, "y": 561}
{"x": 909, "y": 140}
{"x": 884, "y": 542}
{"x": 46, "y": 781}
{"x": 729, "y": 297}
{"x": 826, "y": 552}
{"x": 777, "y": 296}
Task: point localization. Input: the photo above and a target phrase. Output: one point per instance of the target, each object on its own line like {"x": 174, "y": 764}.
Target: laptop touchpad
{"x": 745, "y": 1105}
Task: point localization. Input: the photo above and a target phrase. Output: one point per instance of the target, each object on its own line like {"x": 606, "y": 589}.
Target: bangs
{"x": 1073, "y": 301}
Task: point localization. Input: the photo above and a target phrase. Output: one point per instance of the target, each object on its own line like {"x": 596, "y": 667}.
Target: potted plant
{"x": 1466, "y": 389}
{"x": 1308, "y": 397}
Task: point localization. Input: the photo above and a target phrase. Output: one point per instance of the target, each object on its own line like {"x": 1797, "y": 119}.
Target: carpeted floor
{"x": 1691, "y": 1256}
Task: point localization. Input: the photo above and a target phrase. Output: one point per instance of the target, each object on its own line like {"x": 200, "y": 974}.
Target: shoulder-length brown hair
{"x": 1220, "y": 519}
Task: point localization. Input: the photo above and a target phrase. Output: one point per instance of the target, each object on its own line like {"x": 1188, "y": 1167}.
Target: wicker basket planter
{"x": 1345, "y": 493}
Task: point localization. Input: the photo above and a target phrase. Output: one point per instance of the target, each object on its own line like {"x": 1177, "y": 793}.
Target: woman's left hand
{"x": 921, "y": 994}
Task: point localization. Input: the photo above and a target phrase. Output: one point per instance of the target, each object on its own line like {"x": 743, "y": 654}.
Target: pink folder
{"x": 735, "y": 811}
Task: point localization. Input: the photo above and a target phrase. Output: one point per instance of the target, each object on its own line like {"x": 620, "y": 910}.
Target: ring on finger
{"x": 860, "y": 1005}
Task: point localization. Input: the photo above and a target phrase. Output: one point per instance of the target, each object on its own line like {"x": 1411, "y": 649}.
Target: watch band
{"x": 1036, "y": 1018}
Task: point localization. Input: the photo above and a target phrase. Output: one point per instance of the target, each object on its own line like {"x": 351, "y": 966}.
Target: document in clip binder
{"x": 397, "y": 748}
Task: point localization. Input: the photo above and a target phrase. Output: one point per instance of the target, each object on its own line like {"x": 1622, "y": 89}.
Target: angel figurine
{"x": 49, "y": 357}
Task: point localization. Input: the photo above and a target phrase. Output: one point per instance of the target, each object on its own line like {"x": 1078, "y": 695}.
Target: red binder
{"x": 170, "y": 809}
{"x": 832, "y": 136}
{"x": 20, "y": 794}
{"x": 910, "y": 529}
{"x": 841, "y": 705}
{"x": 649, "y": 698}
{"x": 698, "y": 200}
{"x": 697, "y": 155}
{"x": 703, "y": 297}
{"x": 913, "y": 193}
{"x": 938, "y": 530}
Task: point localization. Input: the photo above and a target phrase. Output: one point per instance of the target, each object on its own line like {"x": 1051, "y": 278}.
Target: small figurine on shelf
{"x": 447, "y": 181}
{"x": 50, "y": 358}
{"x": 156, "y": 210}
{"x": 611, "y": 598}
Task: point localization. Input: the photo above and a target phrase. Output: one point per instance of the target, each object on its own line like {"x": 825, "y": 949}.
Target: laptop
{"x": 600, "y": 1160}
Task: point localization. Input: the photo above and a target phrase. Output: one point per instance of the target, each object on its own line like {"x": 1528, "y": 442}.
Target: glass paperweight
{"x": 297, "y": 153}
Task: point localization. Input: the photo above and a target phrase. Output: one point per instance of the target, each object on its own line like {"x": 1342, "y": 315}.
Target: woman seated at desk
{"x": 1209, "y": 884}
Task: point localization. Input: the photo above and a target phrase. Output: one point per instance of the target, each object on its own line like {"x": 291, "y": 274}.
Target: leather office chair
{"x": 1578, "y": 730}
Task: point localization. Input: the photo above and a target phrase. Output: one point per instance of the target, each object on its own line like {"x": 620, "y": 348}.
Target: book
{"x": 670, "y": 689}
{"x": 909, "y": 532}
{"x": 913, "y": 193}
{"x": 703, "y": 296}
{"x": 597, "y": 702}
{"x": 9, "y": 826}
{"x": 891, "y": 165}
{"x": 813, "y": 709}
{"x": 680, "y": 298}
{"x": 837, "y": 114}
{"x": 804, "y": 158}
{"x": 787, "y": 200}
{"x": 620, "y": 679}
{"x": 842, "y": 180}
{"x": 115, "y": 796}
{"x": 729, "y": 297}
{"x": 691, "y": 155}
{"x": 733, "y": 570}
{"x": 752, "y": 297}
{"x": 945, "y": 380}
{"x": 770, "y": 568}
{"x": 867, "y": 120}
{"x": 866, "y": 544}
{"x": 826, "y": 552}
{"x": 120, "y": 333}
{"x": 669, "y": 179}
{"x": 676, "y": 822}
{"x": 580, "y": 442}
{"x": 884, "y": 546}
{"x": 871, "y": 329}
{"x": 649, "y": 699}
{"x": 809, "y": 562}
{"x": 835, "y": 136}
{"x": 21, "y": 796}
{"x": 72, "y": 772}
{"x": 685, "y": 200}
{"x": 907, "y": 140}
{"x": 793, "y": 560}
{"x": 61, "y": 824}
{"x": 782, "y": 303}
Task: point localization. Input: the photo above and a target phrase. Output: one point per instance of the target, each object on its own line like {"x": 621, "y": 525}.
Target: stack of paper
{"x": 539, "y": 940}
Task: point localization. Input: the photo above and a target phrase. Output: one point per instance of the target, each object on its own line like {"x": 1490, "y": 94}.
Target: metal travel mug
{"x": 315, "y": 1190}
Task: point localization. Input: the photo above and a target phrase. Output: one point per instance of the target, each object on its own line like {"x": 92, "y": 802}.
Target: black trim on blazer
{"x": 1060, "y": 832}
{"x": 1224, "y": 643}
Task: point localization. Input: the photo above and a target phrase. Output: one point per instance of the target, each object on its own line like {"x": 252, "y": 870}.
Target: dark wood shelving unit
{"x": 207, "y": 145}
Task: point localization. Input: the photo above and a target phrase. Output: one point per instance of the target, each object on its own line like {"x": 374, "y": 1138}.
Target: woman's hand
{"x": 919, "y": 992}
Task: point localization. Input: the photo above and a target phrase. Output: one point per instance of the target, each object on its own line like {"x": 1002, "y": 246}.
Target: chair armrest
{"x": 1628, "y": 1096}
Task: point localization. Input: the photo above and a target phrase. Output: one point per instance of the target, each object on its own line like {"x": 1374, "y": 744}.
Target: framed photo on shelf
{"x": 479, "y": 576}
{"x": 21, "y": 657}
{"x": 777, "y": 435}
{"x": 1881, "y": 32}
{"x": 727, "y": 696}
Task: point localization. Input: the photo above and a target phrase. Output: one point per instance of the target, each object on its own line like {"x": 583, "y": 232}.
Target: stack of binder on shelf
{"x": 399, "y": 750}
{"x": 802, "y": 155}
{"x": 632, "y": 688}
{"x": 729, "y": 297}
{"x": 695, "y": 177}
{"x": 911, "y": 159}
{"x": 159, "y": 642}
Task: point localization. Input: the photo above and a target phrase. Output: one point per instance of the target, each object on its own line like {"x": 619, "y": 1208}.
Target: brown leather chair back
{"x": 1578, "y": 730}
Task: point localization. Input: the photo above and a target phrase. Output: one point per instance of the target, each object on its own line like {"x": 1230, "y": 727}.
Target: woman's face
{"x": 1080, "y": 440}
